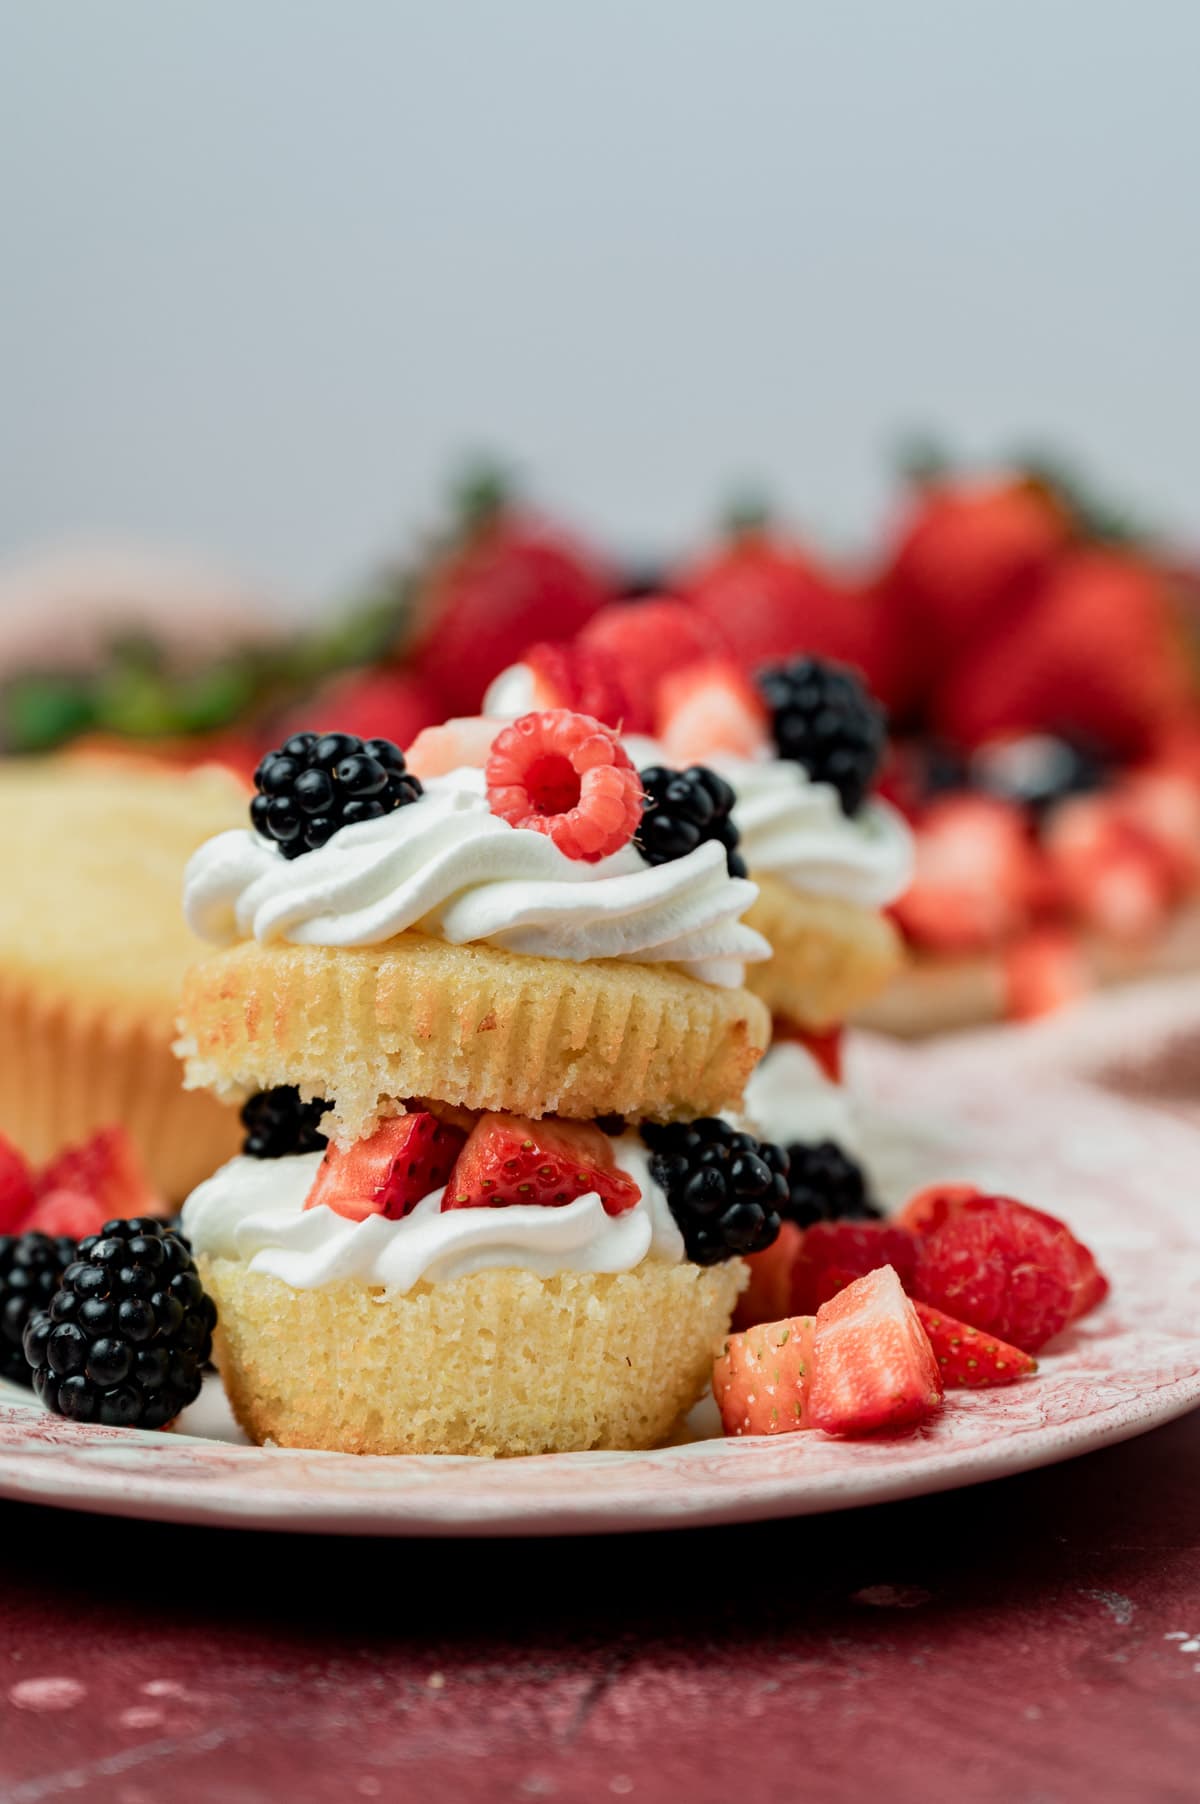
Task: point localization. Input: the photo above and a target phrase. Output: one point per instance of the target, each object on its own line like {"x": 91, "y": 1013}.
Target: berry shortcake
{"x": 486, "y": 1204}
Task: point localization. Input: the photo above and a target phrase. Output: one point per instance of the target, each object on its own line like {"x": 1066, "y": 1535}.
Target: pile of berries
{"x": 726, "y": 1190}
{"x": 683, "y": 809}
{"x": 318, "y": 782}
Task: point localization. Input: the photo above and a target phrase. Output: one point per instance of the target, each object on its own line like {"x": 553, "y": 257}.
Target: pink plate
{"x": 1032, "y": 1113}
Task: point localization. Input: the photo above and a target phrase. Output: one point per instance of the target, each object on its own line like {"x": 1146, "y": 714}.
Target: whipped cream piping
{"x": 789, "y": 1098}
{"x": 253, "y": 1210}
{"x": 446, "y": 865}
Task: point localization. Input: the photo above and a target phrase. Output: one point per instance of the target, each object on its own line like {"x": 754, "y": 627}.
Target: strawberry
{"x": 108, "y": 1168}
{"x": 873, "y": 1367}
{"x": 70, "y": 1213}
{"x": 1095, "y": 659}
{"x": 773, "y": 600}
{"x": 374, "y": 704}
{"x": 1044, "y": 970}
{"x": 463, "y": 744}
{"x": 405, "y": 1159}
{"x": 507, "y": 581}
{"x": 825, "y": 1048}
{"x": 968, "y": 1359}
{"x": 641, "y": 641}
{"x": 974, "y": 874}
{"x": 16, "y": 1188}
{"x": 584, "y": 678}
{"x": 1108, "y": 870}
{"x": 707, "y": 709}
{"x": 767, "y": 1297}
{"x": 1163, "y": 804}
{"x": 509, "y": 1159}
{"x": 835, "y": 1253}
{"x": 1006, "y": 1269}
{"x": 929, "y": 1210}
{"x": 761, "y": 1378}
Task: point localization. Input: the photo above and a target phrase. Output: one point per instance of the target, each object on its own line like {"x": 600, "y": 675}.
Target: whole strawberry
{"x": 506, "y": 580}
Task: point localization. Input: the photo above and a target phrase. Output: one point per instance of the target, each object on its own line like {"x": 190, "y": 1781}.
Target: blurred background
{"x": 273, "y": 267}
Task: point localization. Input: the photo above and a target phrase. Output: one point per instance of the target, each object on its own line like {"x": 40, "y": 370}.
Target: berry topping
{"x": 968, "y": 1359}
{"x": 30, "y": 1268}
{"x": 873, "y": 1367}
{"x": 463, "y": 744}
{"x": 128, "y": 1332}
{"x": 278, "y": 1123}
{"x": 108, "y": 1168}
{"x": 683, "y": 808}
{"x": 406, "y": 1158}
{"x": 825, "y": 1184}
{"x": 66, "y": 1213}
{"x": 725, "y": 1189}
{"x": 708, "y": 708}
{"x": 974, "y": 877}
{"x": 823, "y": 718}
{"x": 569, "y": 674}
{"x": 567, "y": 776}
{"x": 761, "y": 1378}
{"x": 16, "y": 1188}
{"x": 318, "y": 782}
{"x": 511, "y": 1160}
{"x": 643, "y": 641}
{"x": 834, "y": 1253}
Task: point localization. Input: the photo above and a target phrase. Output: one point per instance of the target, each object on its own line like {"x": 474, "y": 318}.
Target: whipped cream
{"x": 446, "y": 865}
{"x": 253, "y": 1210}
{"x": 790, "y": 1098}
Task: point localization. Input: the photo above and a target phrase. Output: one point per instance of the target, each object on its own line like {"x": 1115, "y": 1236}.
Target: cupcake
{"x": 93, "y": 949}
{"x": 486, "y": 1204}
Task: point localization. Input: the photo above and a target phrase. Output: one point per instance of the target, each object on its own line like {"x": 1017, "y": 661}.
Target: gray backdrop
{"x": 269, "y": 265}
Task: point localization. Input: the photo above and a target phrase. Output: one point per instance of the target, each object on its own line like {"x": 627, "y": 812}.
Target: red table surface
{"x": 1029, "y": 1642}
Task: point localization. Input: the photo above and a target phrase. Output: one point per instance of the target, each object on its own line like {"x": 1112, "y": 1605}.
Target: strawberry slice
{"x": 974, "y": 874}
{"x": 873, "y": 1366}
{"x": 969, "y": 1360}
{"x": 761, "y": 1378}
{"x": 1108, "y": 870}
{"x": 643, "y": 640}
{"x": 509, "y": 1159}
{"x": 834, "y": 1253}
{"x": 1044, "y": 970}
{"x": 708, "y": 708}
{"x": 929, "y": 1208}
{"x": 69, "y": 1213}
{"x": 1003, "y": 1268}
{"x": 16, "y": 1188}
{"x": 406, "y": 1158}
{"x": 108, "y": 1168}
{"x": 581, "y": 677}
{"x": 767, "y": 1297}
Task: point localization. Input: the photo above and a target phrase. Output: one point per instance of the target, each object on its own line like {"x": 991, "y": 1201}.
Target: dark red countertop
{"x": 1028, "y": 1642}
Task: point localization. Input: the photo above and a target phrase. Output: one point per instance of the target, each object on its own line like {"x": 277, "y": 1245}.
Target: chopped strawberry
{"x": 968, "y": 1359}
{"x": 1044, "y": 970}
{"x": 643, "y": 641}
{"x": 761, "y": 1378}
{"x": 509, "y": 1159}
{"x": 834, "y": 1253}
{"x": 929, "y": 1208}
{"x": 973, "y": 877}
{"x": 1108, "y": 870}
{"x": 16, "y": 1188}
{"x": 873, "y": 1367}
{"x": 109, "y": 1168}
{"x": 772, "y": 600}
{"x": 707, "y": 709}
{"x": 69, "y": 1213}
{"x": 463, "y": 744}
{"x": 508, "y": 581}
{"x": 1095, "y": 658}
{"x": 767, "y": 1297}
{"x": 575, "y": 675}
{"x": 406, "y": 1158}
{"x": 1164, "y": 804}
{"x": 1006, "y": 1269}
{"x": 569, "y": 777}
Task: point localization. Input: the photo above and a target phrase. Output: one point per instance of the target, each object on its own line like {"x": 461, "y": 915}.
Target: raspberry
{"x": 567, "y": 776}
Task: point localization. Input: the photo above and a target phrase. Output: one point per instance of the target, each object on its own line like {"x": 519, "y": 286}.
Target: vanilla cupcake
{"x": 524, "y": 1232}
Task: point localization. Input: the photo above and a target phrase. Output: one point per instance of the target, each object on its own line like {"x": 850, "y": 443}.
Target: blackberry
{"x": 682, "y": 809}
{"x": 726, "y": 1190}
{"x": 277, "y": 1123}
{"x": 30, "y": 1268}
{"x": 823, "y": 718}
{"x": 128, "y": 1331}
{"x": 318, "y": 782}
{"x": 825, "y": 1184}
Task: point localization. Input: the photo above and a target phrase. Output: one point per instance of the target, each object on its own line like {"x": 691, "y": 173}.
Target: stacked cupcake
{"x": 481, "y": 1036}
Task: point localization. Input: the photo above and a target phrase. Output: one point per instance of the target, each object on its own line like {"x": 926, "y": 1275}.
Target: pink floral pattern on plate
{"x": 1027, "y": 1111}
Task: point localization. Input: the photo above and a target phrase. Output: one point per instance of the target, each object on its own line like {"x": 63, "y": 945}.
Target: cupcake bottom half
{"x": 497, "y": 1363}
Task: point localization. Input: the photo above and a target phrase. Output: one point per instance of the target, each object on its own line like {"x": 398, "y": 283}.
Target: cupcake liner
{"x": 469, "y": 1025}
{"x": 66, "y": 1070}
{"x": 498, "y": 1363}
{"x": 830, "y": 957}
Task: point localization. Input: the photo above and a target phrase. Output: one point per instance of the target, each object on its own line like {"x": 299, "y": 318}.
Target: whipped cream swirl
{"x": 446, "y": 865}
{"x": 789, "y": 1098}
{"x": 253, "y": 1210}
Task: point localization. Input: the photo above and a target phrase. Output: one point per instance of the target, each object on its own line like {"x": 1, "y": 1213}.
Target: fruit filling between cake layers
{"x": 447, "y": 865}
{"x": 260, "y": 1211}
